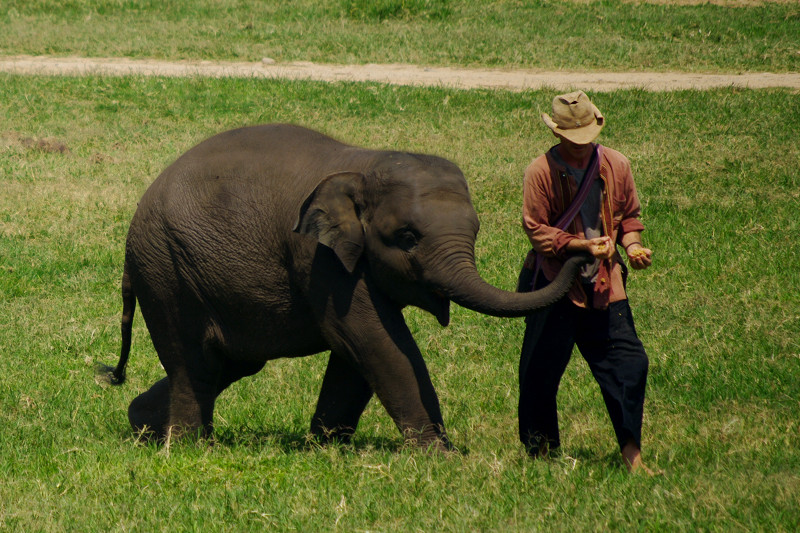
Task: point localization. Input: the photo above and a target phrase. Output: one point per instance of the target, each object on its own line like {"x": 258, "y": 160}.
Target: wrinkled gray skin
{"x": 277, "y": 241}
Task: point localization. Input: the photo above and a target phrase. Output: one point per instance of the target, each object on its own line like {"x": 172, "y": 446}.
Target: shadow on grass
{"x": 286, "y": 439}
{"x": 292, "y": 440}
{"x": 593, "y": 457}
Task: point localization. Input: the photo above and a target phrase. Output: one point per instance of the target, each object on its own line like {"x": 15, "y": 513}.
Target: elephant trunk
{"x": 472, "y": 292}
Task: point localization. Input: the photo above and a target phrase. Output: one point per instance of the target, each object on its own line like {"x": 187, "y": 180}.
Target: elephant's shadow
{"x": 293, "y": 440}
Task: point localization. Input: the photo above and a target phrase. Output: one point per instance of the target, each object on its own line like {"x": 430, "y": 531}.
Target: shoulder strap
{"x": 592, "y": 173}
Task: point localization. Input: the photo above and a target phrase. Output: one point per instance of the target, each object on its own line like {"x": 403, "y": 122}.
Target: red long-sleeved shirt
{"x": 548, "y": 191}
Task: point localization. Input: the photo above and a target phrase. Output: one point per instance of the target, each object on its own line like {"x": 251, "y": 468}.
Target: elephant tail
{"x": 116, "y": 375}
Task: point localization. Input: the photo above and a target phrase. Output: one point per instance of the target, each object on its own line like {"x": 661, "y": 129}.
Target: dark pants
{"x": 607, "y": 340}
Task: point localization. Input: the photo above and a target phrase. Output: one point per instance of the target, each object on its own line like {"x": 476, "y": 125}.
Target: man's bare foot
{"x": 632, "y": 456}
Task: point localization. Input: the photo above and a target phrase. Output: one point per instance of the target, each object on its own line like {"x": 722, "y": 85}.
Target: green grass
{"x": 543, "y": 34}
{"x": 719, "y": 313}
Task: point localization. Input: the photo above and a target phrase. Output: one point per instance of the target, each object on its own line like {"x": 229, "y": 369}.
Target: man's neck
{"x": 576, "y": 156}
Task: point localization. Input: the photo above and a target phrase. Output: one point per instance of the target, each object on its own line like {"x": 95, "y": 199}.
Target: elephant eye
{"x": 406, "y": 239}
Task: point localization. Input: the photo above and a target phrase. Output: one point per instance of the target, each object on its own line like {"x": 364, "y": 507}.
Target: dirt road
{"x": 462, "y": 78}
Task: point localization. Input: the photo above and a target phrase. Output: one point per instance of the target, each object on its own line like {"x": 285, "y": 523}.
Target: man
{"x": 595, "y": 314}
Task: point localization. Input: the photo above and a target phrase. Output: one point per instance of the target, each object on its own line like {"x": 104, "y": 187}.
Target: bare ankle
{"x": 632, "y": 456}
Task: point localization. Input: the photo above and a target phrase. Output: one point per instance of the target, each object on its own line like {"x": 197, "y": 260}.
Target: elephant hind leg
{"x": 149, "y": 412}
{"x": 342, "y": 400}
{"x": 191, "y": 403}
{"x": 170, "y": 409}
{"x": 183, "y": 403}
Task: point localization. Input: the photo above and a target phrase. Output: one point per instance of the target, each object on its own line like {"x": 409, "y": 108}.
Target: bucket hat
{"x": 575, "y": 118}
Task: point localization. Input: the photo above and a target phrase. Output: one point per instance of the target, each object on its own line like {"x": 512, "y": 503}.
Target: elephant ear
{"x": 331, "y": 214}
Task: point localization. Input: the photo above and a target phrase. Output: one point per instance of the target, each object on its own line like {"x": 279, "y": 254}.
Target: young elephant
{"x": 278, "y": 241}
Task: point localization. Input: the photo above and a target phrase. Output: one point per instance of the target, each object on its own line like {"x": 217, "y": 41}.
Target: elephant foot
{"x": 149, "y": 412}
{"x": 432, "y": 439}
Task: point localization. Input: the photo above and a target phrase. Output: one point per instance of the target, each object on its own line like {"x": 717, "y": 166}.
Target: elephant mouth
{"x": 440, "y": 307}
{"x": 432, "y": 299}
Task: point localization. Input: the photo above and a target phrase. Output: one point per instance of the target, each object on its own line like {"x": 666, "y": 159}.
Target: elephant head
{"x": 411, "y": 222}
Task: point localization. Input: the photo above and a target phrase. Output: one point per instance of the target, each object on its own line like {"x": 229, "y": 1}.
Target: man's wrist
{"x": 577, "y": 245}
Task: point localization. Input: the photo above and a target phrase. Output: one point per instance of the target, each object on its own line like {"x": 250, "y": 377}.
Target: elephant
{"x": 278, "y": 241}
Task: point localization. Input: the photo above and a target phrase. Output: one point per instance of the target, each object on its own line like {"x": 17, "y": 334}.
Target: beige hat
{"x": 575, "y": 118}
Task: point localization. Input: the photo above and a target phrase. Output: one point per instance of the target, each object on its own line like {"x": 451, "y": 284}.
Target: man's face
{"x": 574, "y": 151}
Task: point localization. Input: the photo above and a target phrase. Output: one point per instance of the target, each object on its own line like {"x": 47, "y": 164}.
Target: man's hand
{"x": 599, "y": 247}
{"x": 602, "y": 247}
{"x": 639, "y": 256}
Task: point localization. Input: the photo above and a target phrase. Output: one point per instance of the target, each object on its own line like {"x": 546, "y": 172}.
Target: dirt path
{"x": 463, "y": 78}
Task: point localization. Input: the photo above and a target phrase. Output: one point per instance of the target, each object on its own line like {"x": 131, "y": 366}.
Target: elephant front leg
{"x": 374, "y": 338}
{"x": 404, "y": 387}
{"x": 344, "y": 396}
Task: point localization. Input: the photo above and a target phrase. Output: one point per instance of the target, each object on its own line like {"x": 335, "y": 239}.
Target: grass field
{"x": 543, "y": 34}
{"x": 719, "y": 312}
